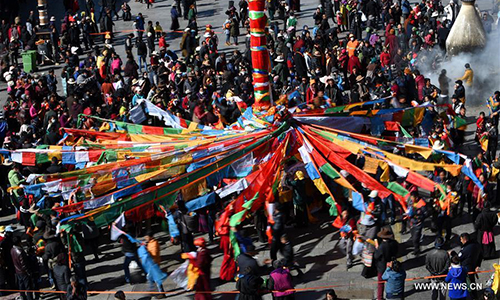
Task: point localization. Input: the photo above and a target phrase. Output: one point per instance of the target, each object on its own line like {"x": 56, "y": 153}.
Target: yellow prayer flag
{"x": 320, "y": 184}
{"x": 371, "y": 165}
{"x": 423, "y": 151}
{"x": 496, "y": 278}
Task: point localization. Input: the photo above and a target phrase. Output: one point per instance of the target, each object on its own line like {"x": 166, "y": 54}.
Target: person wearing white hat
{"x": 373, "y": 194}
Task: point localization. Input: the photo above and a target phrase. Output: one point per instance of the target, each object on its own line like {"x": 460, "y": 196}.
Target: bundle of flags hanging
{"x": 118, "y": 170}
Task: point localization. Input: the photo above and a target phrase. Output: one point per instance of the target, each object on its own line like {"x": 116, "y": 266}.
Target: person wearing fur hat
{"x": 386, "y": 251}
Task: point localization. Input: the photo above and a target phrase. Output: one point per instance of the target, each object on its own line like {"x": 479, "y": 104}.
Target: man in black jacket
{"x": 21, "y": 266}
{"x": 470, "y": 257}
{"x": 437, "y": 262}
{"x": 385, "y": 252}
{"x": 246, "y": 262}
{"x": 142, "y": 52}
{"x": 288, "y": 255}
{"x": 129, "y": 250}
{"x": 278, "y": 228}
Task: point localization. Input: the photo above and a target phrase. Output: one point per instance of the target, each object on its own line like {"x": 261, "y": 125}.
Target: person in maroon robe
{"x": 204, "y": 262}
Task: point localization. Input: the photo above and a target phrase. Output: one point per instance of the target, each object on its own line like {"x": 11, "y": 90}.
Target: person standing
{"x": 142, "y": 53}
{"x": 243, "y": 4}
{"x": 457, "y": 276}
{"x": 139, "y": 26}
{"x": 249, "y": 285}
{"x": 15, "y": 179}
{"x": 417, "y": 216}
{"x": 468, "y": 77}
{"x": 386, "y": 251}
{"x": 20, "y": 260}
{"x": 299, "y": 194}
{"x": 470, "y": 257}
{"x": 395, "y": 277}
{"x": 62, "y": 273}
{"x": 437, "y": 262}
{"x": 235, "y": 29}
{"x": 484, "y": 225}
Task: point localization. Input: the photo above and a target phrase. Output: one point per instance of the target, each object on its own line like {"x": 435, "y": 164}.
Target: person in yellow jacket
{"x": 468, "y": 77}
{"x": 447, "y": 205}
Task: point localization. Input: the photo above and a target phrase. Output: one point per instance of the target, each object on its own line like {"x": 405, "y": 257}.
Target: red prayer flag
{"x": 391, "y": 126}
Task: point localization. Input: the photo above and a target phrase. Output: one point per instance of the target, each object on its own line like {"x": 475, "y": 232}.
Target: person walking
{"x": 277, "y": 231}
{"x": 203, "y": 263}
{"x": 174, "y": 14}
{"x": 129, "y": 250}
{"x": 288, "y": 255}
{"x": 280, "y": 282}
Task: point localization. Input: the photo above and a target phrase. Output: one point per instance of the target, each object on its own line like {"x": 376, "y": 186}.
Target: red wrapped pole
{"x": 260, "y": 54}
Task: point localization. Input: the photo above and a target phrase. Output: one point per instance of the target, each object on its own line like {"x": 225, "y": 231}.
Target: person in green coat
{"x": 299, "y": 198}
{"x": 191, "y": 13}
{"x": 15, "y": 179}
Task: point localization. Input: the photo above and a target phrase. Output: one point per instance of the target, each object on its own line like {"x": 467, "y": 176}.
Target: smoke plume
{"x": 485, "y": 63}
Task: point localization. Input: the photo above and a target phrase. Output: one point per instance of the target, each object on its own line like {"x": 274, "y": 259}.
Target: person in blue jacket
{"x": 457, "y": 276}
{"x": 395, "y": 277}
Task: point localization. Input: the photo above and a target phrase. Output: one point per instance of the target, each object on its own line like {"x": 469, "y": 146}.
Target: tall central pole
{"x": 260, "y": 54}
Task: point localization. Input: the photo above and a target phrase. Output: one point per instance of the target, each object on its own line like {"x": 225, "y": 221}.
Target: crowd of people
{"x": 349, "y": 52}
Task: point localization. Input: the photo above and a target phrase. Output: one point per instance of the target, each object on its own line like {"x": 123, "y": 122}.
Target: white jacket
{"x": 448, "y": 10}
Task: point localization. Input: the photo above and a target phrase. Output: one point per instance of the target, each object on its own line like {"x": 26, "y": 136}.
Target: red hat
{"x": 200, "y": 242}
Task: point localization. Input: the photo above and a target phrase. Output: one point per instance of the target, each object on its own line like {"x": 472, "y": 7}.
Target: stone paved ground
{"x": 315, "y": 246}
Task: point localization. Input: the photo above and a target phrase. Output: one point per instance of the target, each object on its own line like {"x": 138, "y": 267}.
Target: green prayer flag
{"x": 329, "y": 171}
{"x": 234, "y": 243}
{"x": 333, "y": 207}
{"x": 397, "y": 188}
{"x": 404, "y": 132}
{"x": 459, "y": 122}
